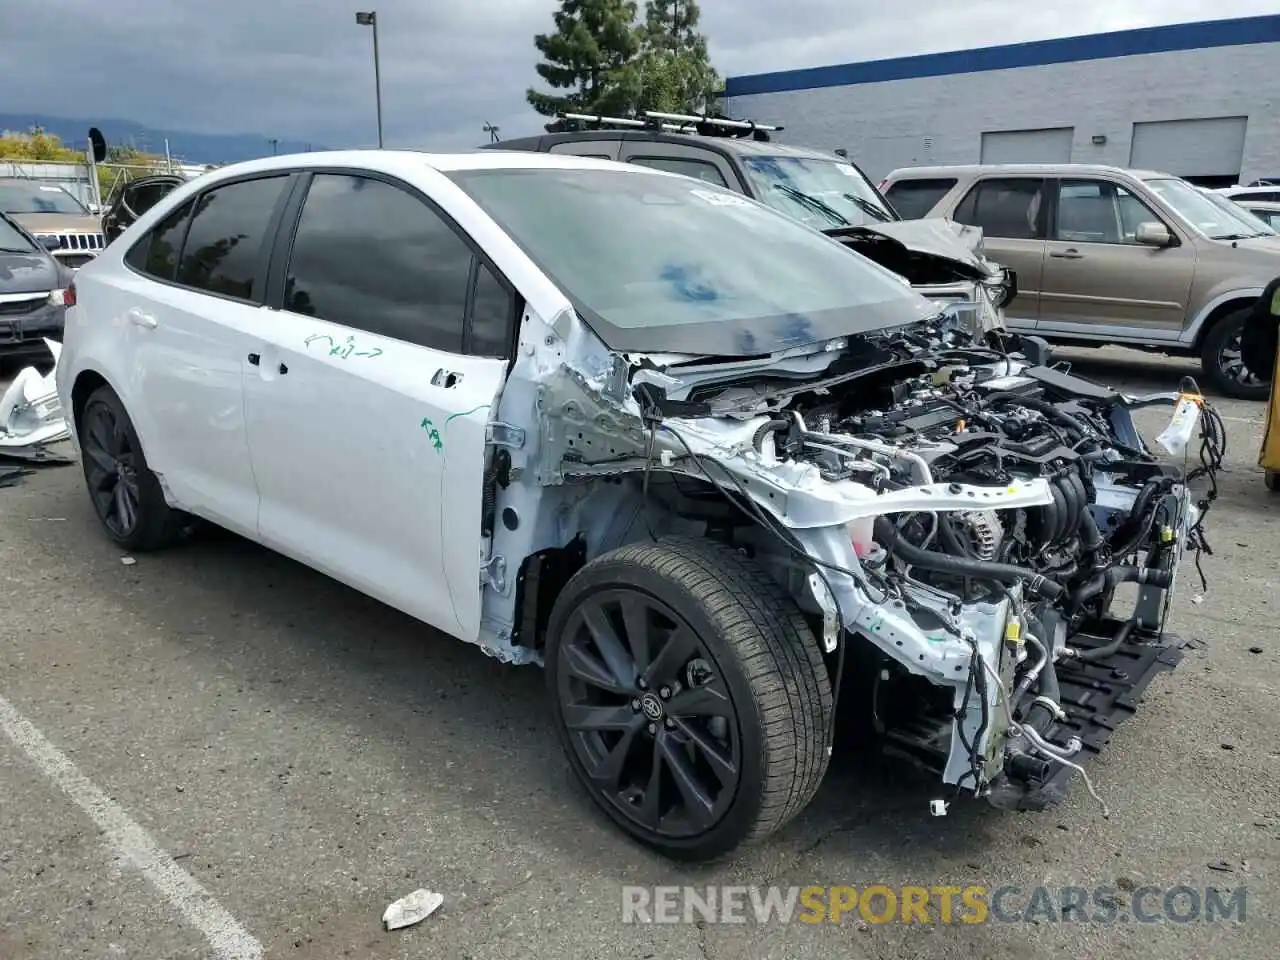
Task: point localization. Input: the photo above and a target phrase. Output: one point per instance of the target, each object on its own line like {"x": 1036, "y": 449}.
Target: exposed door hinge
{"x": 493, "y": 573}
{"x": 504, "y": 435}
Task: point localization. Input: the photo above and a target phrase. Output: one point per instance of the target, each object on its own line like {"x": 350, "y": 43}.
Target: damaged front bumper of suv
{"x": 944, "y": 261}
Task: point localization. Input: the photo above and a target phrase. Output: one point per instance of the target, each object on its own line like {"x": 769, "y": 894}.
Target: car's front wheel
{"x": 1223, "y": 365}
{"x": 690, "y": 695}
{"x": 125, "y": 493}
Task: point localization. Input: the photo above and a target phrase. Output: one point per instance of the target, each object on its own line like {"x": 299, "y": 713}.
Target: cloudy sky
{"x": 302, "y": 69}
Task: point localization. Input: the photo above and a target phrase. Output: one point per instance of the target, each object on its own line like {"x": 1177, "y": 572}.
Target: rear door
{"x": 188, "y": 310}
{"x": 1097, "y": 274}
{"x": 369, "y": 391}
{"x": 1013, "y": 215}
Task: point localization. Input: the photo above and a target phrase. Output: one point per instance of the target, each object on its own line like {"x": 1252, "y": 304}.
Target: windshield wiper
{"x": 812, "y": 202}
{"x": 14, "y": 250}
{"x": 867, "y": 207}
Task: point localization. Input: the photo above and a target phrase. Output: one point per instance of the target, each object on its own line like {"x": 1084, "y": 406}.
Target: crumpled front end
{"x": 944, "y": 261}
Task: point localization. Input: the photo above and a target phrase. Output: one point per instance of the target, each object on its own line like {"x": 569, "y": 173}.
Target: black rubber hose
{"x": 1142, "y": 505}
{"x": 1118, "y": 575}
{"x": 1048, "y": 409}
{"x": 1040, "y": 716}
{"x": 964, "y": 566}
{"x": 1100, "y": 653}
{"x": 773, "y": 426}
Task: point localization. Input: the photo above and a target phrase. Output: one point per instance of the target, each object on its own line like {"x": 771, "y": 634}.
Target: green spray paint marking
{"x": 342, "y": 350}
{"x": 483, "y": 406}
{"x": 433, "y": 433}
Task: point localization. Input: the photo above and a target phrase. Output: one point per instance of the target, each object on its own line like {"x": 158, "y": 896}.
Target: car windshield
{"x": 662, "y": 263}
{"x": 19, "y": 198}
{"x": 12, "y": 240}
{"x": 1258, "y": 222}
{"x": 821, "y": 193}
{"x": 1215, "y": 220}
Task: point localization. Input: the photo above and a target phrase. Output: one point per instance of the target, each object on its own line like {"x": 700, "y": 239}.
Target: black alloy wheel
{"x": 690, "y": 694}
{"x": 648, "y": 714}
{"x": 111, "y": 469}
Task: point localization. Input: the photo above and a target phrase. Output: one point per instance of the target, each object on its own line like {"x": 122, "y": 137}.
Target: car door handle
{"x": 1067, "y": 254}
{"x": 140, "y": 319}
{"x": 446, "y": 378}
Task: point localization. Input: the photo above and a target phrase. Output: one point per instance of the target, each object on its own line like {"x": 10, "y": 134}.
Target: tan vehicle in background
{"x": 61, "y": 223}
{"x": 1105, "y": 255}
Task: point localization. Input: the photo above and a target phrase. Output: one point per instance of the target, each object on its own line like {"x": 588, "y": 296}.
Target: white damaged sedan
{"x": 714, "y": 470}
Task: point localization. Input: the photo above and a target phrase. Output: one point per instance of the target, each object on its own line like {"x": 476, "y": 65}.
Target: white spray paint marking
{"x": 229, "y": 940}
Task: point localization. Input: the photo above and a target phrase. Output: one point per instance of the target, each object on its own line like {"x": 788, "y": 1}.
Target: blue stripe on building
{"x": 1101, "y": 46}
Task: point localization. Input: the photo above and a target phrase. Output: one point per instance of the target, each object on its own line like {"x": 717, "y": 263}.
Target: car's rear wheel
{"x": 690, "y": 695}
{"x": 1220, "y": 358}
{"x": 1272, "y": 480}
{"x": 125, "y": 493}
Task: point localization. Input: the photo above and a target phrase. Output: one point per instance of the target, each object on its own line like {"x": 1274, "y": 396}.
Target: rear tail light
{"x": 69, "y": 296}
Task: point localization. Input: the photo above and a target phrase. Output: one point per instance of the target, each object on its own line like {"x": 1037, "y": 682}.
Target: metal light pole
{"x": 369, "y": 18}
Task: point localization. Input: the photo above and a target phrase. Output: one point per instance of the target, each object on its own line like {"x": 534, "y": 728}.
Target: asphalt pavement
{"x": 214, "y": 751}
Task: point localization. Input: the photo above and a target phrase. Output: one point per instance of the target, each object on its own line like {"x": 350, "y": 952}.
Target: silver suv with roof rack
{"x": 824, "y": 190}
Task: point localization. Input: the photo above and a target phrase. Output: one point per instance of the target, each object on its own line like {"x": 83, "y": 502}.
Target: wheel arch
{"x": 692, "y": 506}
{"x": 1221, "y": 307}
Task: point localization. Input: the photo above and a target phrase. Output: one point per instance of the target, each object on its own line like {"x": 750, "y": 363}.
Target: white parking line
{"x": 229, "y": 940}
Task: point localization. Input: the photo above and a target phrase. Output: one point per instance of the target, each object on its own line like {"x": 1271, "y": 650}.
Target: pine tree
{"x": 592, "y": 45}
{"x": 672, "y": 71}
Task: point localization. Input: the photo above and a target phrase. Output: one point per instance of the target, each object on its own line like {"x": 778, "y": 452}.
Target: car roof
{"x": 408, "y": 162}
{"x": 740, "y": 145}
{"x": 1043, "y": 169}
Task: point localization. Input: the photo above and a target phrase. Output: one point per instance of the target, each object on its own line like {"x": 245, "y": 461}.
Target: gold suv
{"x": 1105, "y": 255}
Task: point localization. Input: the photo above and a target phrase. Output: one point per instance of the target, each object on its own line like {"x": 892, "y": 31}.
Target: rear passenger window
{"x": 156, "y": 254}
{"x": 1008, "y": 208}
{"x": 698, "y": 169}
{"x": 913, "y": 199}
{"x": 374, "y": 257}
{"x": 225, "y": 240}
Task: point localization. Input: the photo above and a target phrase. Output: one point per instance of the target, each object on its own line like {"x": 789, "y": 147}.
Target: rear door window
{"x": 1005, "y": 207}
{"x": 225, "y": 242}
{"x": 157, "y": 253}
{"x": 914, "y": 199}
{"x": 685, "y": 166}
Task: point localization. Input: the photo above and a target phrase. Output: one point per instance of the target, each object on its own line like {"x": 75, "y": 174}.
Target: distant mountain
{"x": 183, "y": 144}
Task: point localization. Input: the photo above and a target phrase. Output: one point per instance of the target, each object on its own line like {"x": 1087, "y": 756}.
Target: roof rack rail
{"x": 703, "y": 125}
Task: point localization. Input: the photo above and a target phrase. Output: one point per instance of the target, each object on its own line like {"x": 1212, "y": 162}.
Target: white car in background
{"x": 680, "y": 448}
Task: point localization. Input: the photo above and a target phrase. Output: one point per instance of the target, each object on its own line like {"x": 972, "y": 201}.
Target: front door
{"x": 1096, "y": 274}
{"x": 366, "y": 415}
{"x": 1012, "y": 213}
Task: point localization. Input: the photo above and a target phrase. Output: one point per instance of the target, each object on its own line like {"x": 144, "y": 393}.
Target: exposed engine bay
{"x": 959, "y": 520}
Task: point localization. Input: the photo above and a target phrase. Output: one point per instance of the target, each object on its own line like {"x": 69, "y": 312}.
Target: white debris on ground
{"x": 412, "y": 909}
{"x": 30, "y": 413}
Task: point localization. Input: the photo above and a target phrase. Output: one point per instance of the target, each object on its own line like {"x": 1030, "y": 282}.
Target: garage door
{"x": 1210, "y": 147}
{"x": 1028, "y": 146}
